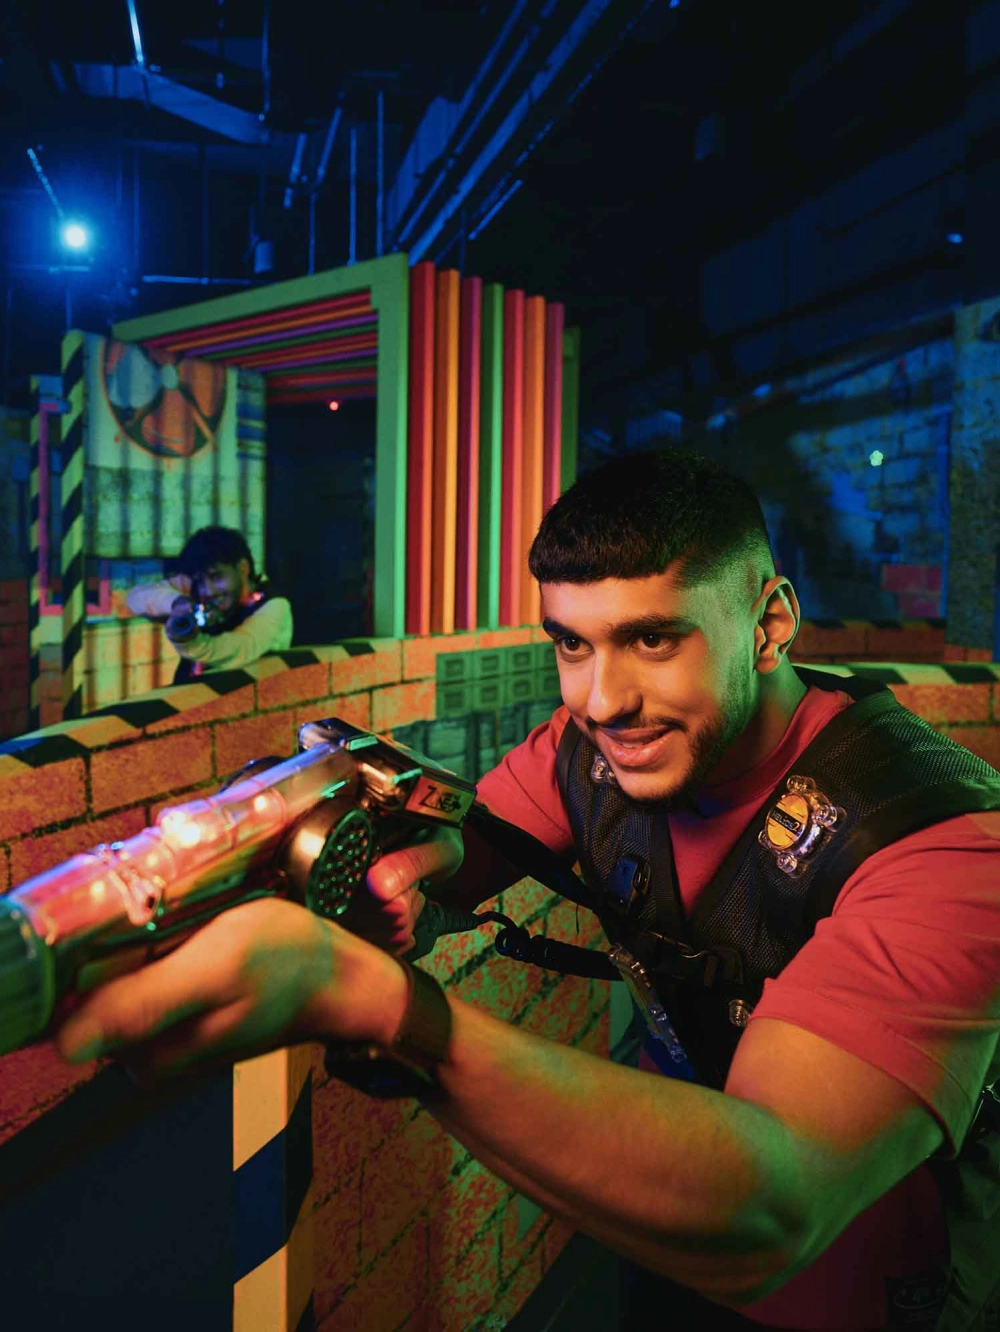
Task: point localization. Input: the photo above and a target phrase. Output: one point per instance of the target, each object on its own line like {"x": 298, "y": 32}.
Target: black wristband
{"x": 407, "y": 1067}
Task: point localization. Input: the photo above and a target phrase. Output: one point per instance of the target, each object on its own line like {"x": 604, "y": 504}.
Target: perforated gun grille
{"x": 340, "y": 868}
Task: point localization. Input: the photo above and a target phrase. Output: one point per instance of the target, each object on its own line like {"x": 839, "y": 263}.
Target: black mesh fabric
{"x": 890, "y": 773}
{"x": 867, "y": 773}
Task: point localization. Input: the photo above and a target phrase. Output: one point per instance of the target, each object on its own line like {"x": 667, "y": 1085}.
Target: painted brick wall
{"x": 975, "y": 478}
{"x": 836, "y": 520}
{"x": 401, "y": 1213}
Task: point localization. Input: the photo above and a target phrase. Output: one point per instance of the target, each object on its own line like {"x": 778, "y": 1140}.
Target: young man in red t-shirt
{"x": 797, "y": 1194}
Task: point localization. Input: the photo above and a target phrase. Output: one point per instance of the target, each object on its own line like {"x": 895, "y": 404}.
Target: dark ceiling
{"x": 696, "y": 125}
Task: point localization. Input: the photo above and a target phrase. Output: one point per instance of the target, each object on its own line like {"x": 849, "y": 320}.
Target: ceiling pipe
{"x": 295, "y": 171}
{"x": 133, "y": 19}
{"x": 523, "y": 118}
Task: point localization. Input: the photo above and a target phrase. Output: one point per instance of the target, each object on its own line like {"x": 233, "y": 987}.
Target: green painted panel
{"x": 488, "y": 663}
{"x": 453, "y": 700}
{"x": 519, "y": 688}
{"x": 520, "y": 658}
{"x": 260, "y": 300}
{"x": 545, "y": 654}
{"x": 570, "y": 406}
{"x": 487, "y": 694}
{"x": 547, "y": 682}
{"x": 389, "y": 279}
{"x": 490, "y": 456}
{"x": 454, "y": 666}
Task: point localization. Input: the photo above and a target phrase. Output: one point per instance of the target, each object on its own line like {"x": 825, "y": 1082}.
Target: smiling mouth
{"x": 637, "y": 749}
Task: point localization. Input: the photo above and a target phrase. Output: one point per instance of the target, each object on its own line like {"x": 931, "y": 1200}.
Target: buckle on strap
{"x": 646, "y": 999}
{"x": 672, "y": 960}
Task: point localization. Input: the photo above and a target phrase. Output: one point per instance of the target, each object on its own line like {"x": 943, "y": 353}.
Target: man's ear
{"x": 778, "y": 616}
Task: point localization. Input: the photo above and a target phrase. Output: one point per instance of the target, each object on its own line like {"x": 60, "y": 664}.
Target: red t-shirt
{"x": 903, "y": 974}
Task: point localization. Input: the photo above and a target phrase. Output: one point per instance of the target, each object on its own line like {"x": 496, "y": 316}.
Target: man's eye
{"x": 655, "y": 641}
{"x": 568, "y": 643}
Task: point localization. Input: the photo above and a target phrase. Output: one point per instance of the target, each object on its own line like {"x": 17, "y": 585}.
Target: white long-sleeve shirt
{"x": 268, "y": 629}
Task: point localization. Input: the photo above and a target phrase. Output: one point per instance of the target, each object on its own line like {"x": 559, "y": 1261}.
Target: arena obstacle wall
{"x": 476, "y": 406}
{"x": 272, "y": 1197}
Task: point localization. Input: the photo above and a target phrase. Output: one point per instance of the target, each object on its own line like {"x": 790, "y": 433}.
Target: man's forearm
{"x": 696, "y": 1185}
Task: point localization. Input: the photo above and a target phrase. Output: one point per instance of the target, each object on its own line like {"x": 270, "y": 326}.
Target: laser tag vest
{"x": 874, "y": 774}
{"x": 187, "y": 669}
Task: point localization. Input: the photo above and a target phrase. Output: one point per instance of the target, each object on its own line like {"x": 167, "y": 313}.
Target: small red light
{"x": 334, "y": 405}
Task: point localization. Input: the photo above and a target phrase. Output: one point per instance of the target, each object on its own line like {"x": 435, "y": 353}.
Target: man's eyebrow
{"x": 638, "y": 625}
{"x": 554, "y": 629}
{"x": 651, "y": 624}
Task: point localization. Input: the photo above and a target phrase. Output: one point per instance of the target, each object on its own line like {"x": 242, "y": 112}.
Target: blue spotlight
{"x": 75, "y": 236}
{"x": 954, "y": 238}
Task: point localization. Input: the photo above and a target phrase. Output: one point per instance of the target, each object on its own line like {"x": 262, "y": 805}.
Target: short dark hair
{"x": 637, "y": 515}
{"x": 213, "y": 545}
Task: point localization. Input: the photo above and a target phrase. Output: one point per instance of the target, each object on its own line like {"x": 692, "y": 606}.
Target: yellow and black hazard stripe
{"x": 128, "y": 719}
{"x": 35, "y": 572}
{"x": 272, "y": 1190}
{"x": 73, "y": 555}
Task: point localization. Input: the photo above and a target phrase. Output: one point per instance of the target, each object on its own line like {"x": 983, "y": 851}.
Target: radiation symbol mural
{"x": 169, "y": 407}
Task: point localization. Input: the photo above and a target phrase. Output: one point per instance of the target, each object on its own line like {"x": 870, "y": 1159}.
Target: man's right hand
{"x": 387, "y": 913}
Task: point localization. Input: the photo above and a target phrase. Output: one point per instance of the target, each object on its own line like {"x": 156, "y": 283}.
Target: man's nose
{"x": 614, "y": 692}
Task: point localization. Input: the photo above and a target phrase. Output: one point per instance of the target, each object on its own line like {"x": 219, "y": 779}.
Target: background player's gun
{"x": 306, "y": 828}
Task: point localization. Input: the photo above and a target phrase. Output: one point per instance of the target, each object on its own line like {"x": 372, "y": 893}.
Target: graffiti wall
{"x": 151, "y": 446}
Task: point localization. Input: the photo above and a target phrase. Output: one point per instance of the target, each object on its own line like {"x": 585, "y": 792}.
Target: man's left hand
{"x": 262, "y": 975}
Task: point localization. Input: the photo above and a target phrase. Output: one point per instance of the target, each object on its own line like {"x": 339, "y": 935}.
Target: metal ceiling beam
{"x": 130, "y": 83}
{"x": 538, "y": 72}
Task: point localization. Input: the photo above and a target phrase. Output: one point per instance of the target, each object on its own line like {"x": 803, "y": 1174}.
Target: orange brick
{"x": 468, "y": 1290}
{"x": 30, "y": 798}
{"x": 34, "y": 855}
{"x": 459, "y": 1213}
{"x": 33, "y": 1081}
{"x": 563, "y": 1014}
{"x": 514, "y": 1249}
{"x": 517, "y": 1289}
{"x": 952, "y": 652}
{"x": 905, "y": 644}
{"x": 238, "y": 742}
{"x": 978, "y": 654}
{"x": 597, "y": 1040}
{"x": 14, "y": 590}
{"x": 525, "y": 900}
{"x": 398, "y": 705}
{"x": 455, "y": 950}
{"x": 337, "y": 1244}
{"x": 495, "y": 638}
{"x": 844, "y": 643}
{"x": 353, "y": 708}
{"x": 386, "y": 1296}
{"x": 295, "y": 684}
{"x": 400, "y": 1179}
{"x": 946, "y": 703}
{"x": 383, "y": 666}
{"x": 236, "y": 704}
{"x": 982, "y": 740}
{"x": 420, "y": 654}
{"x": 500, "y": 987}
{"x": 567, "y": 922}
{"x": 347, "y": 1127}
{"x": 149, "y": 768}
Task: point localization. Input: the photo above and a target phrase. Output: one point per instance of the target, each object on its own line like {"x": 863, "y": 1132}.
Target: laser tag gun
{"x": 306, "y": 828}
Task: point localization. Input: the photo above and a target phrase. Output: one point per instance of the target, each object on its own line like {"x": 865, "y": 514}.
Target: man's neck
{"x": 780, "y": 694}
